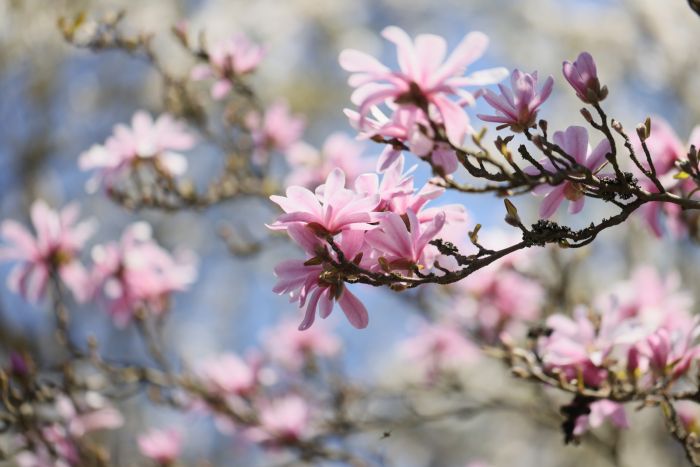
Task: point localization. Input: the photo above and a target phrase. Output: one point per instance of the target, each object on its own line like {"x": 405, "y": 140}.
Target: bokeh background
{"x": 55, "y": 101}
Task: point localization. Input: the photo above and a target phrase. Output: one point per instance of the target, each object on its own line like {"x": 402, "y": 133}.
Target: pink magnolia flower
{"x": 96, "y": 414}
{"x": 577, "y": 346}
{"x": 156, "y": 141}
{"x": 665, "y": 148}
{"x": 291, "y": 347}
{"x": 400, "y": 245}
{"x": 282, "y": 421}
{"x": 137, "y": 273}
{"x": 439, "y": 347}
{"x": 689, "y": 413}
{"x": 332, "y": 209}
{"x": 517, "y": 108}
{"x": 230, "y": 58}
{"x": 55, "y": 249}
{"x": 228, "y": 375}
{"x": 276, "y": 130}
{"x": 600, "y": 411}
{"x": 655, "y": 301}
{"x": 499, "y": 299}
{"x": 162, "y": 446}
{"x": 670, "y": 353}
{"x": 310, "y": 280}
{"x": 574, "y": 141}
{"x": 583, "y": 77}
{"x": 405, "y": 125}
{"x": 310, "y": 167}
{"x": 424, "y": 82}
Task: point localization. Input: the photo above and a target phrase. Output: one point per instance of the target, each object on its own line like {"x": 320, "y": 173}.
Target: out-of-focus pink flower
{"x": 233, "y": 57}
{"x": 402, "y": 246}
{"x": 228, "y": 375}
{"x": 282, "y": 421}
{"x": 517, "y": 107}
{"x": 499, "y": 299}
{"x": 291, "y": 347}
{"x": 689, "y": 413}
{"x": 304, "y": 280}
{"x": 582, "y": 75}
{"x": 574, "y": 141}
{"x": 276, "y": 130}
{"x": 333, "y": 208}
{"x": 670, "y": 353}
{"x": 162, "y": 446}
{"x": 655, "y": 301}
{"x": 96, "y": 415}
{"x": 310, "y": 167}
{"x": 138, "y": 273}
{"x": 425, "y": 80}
{"x": 665, "y": 148}
{"x": 579, "y": 347}
{"x": 600, "y": 411}
{"x": 55, "y": 248}
{"x": 438, "y": 347}
{"x": 157, "y": 141}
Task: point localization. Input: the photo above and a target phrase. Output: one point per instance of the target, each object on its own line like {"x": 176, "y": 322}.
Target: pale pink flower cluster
{"x": 291, "y": 348}
{"x": 136, "y": 274}
{"x": 646, "y": 331}
{"x": 54, "y": 249}
{"x": 309, "y": 166}
{"x": 378, "y": 225}
{"x": 498, "y": 299}
{"x": 72, "y": 423}
{"x": 427, "y": 88}
{"x": 228, "y": 59}
{"x": 276, "y": 130}
{"x": 158, "y": 142}
{"x": 665, "y": 148}
{"x": 439, "y": 347}
{"x": 161, "y": 446}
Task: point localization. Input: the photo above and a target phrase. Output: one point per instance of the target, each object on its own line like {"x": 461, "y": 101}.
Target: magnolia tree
{"x": 358, "y": 223}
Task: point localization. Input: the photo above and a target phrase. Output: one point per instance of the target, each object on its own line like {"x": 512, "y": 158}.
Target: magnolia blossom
{"x": 438, "y": 347}
{"x": 579, "y": 347}
{"x": 290, "y": 347}
{"x": 282, "y": 421}
{"x": 230, "y": 58}
{"x": 499, "y": 299}
{"x": 146, "y": 140}
{"x": 310, "y": 167}
{"x": 162, "y": 446}
{"x": 73, "y": 422}
{"x": 405, "y": 125}
{"x": 517, "y": 107}
{"x": 582, "y": 75}
{"x": 669, "y": 354}
{"x": 228, "y": 375}
{"x": 276, "y": 130}
{"x": 333, "y": 208}
{"x": 425, "y": 80}
{"x": 600, "y": 411}
{"x": 573, "y": 141}
{"x": 53, "y": 250}
{"x": 310, "y": 280}
{"x": 402, "y": 246}
{"x": 655, "y": 301}
{"x": 665, "y": 149}
{"x": 137, "y": 273}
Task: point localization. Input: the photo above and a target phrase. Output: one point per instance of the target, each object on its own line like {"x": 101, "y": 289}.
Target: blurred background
{"x": 56, "y": 101}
